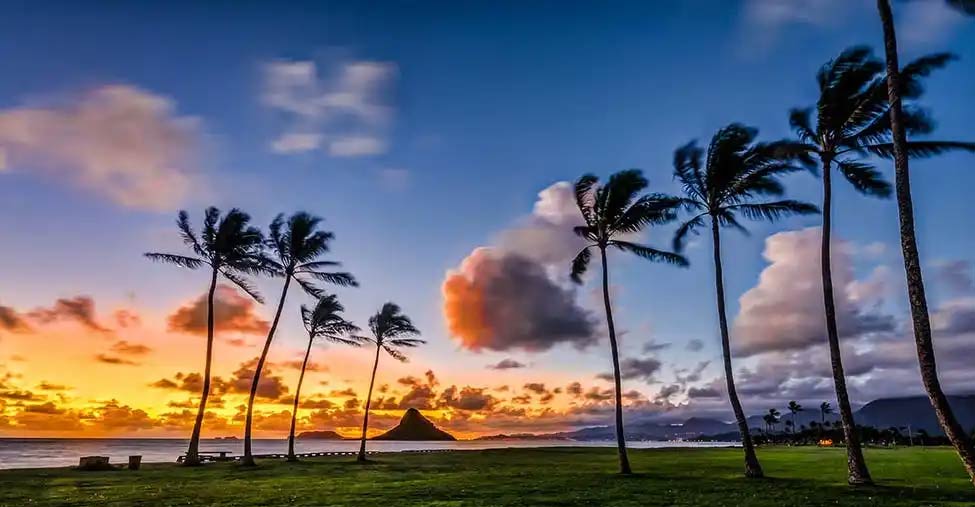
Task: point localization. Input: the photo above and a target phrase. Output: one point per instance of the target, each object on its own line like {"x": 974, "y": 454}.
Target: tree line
{"x": 866, "y": 109}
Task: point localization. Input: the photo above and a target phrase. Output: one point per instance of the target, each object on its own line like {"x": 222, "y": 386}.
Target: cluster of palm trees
{"x": 293, "y": 249}
{"x": 860, "y": 114}
{"x": 774, "y": 417}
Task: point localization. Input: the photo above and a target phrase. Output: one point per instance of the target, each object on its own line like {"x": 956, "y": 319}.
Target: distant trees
{"x": 231, "y": 248}
{"x": 824, "y": 409}
{"x": 794, "y": 409}
{"x": 611, "y": 212}
{"x": 738, "y": 175}
{"x": 392, "y": 331}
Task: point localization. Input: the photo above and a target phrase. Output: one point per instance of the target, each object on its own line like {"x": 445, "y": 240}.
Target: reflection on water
{"x": 55, "y": 452}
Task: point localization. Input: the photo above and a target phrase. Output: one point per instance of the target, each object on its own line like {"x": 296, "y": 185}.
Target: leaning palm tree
{"x": 231, "y": 248}
{"x": 611, "y": 212}
{"x": 853, "y": 122}
{"x": 391, "y": 331}
{"x": 737, "y": 174}
{"x": 900, "y": 87}
{"x": 322, "y": 322}
{"x": 794, "y": 409}
{"x": 294, "y": 248}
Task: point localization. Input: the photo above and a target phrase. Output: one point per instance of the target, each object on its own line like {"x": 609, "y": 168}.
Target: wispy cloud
{"x": 118, "y": 141}
{"x": 342, "y": 109}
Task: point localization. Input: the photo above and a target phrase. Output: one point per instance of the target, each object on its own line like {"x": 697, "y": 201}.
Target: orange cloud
{"x": 231, "y": 312}
{"x": 79, "y": 309}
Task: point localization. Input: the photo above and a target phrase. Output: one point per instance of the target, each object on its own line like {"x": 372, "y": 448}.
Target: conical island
{"x": 413, "y": 426}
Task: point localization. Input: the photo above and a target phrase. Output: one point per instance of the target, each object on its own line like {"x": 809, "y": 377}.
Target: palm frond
{"x": 864, "y": 177}
{"x": 188, "y": 235}
{"x": 243, "y": 283}
{"x": 580, "y": 264}
{"x": 310, "y": 288}
{"x": 650, "y": 209}
{"x": 911, "y": 74}
{"x": 801, "y": 125}
{"x": 651, "y": 254}
{"x": 620, "y": 191}
{"x": 584, "y": 198}
{"x": 340, "y": 279}
{"x": 179, "y": 260}
{"x": 397, "y": 355}
{"x": 689, "y": 226}
{"x": 774, "y": 210}
{"x": 920, "y": 149}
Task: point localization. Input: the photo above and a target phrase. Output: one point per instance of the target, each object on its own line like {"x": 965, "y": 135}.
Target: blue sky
{"x": 487, "y": 105}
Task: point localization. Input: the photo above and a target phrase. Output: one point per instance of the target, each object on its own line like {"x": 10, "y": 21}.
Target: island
{"x": 413, "y": 426}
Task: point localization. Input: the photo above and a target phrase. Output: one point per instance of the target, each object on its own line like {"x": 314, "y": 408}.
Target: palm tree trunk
{"x": 620, "y": 435}
{"x": 294, "y": 409}
{"x": 856, "y": 465}
{"x": 248, "y": 458}
{"x": 912, "y": 261}
{"x": 193, "y": 453}
{"x": 365, "y": 419}
{"x": 752, "y": 467}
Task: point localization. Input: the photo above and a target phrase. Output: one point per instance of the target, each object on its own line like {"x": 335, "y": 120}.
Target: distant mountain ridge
{"x": 913, "y": 411}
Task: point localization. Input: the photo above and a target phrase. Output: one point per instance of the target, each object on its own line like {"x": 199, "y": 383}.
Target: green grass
{"x": 690, "y": 477}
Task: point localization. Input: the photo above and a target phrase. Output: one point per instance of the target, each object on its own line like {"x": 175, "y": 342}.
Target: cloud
{"x": 107, "y": 359}
{"x": 785, "y": 310}
{"x": 232, "y": 312}
{"x": 80, "y": 309}
{"x": 118, "y": 141}
{"x": 695, "y": 345}
{"x": 500, "y": 301}
{"x": 632, "y": 368}
{"x": 345, "y": 112}
{"x": 545, "y": 236}
{"x": 12, "y": 321}
{"x": 506, "y": 364}
{"x": 956, "y": 276}
{"x": 467, "y": 398}
{"x": 125, "y": 348}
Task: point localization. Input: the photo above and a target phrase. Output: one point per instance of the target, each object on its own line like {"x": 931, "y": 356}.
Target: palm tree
{"x": 611, "y": 211}
{"x": 824, "y": 408}
{"x": 772, "y": 417}
{"x": 391, "y": 331}
{"x": 738, "y": 171}
{"x": 229, "y": 247}
{"x": 794, "y": 408}
{"x": 899, "y": 88}
{"x": 325, "y": 322}
{"x": 294, "y": 248}
{"x": 853, "y": 123}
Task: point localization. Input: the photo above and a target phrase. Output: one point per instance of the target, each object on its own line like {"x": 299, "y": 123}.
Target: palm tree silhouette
{"x": 852, "y": 123}
{"x": 824, "y": 408}
{"x": 772, "y": 417}
{"x": 229, "y": 247}
{"x": 611, "y": 211}
{"x": 322, "y": 322}
{"x": 794, "y": 408}
{"x": 391, "y": 331}
{"x": 294, "y": 247}
{"x": 738, "y": 171}
{"x": 899, "y": 88}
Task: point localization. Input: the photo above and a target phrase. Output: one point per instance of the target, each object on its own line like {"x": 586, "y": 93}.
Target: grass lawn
{"x": 693, "y": 477}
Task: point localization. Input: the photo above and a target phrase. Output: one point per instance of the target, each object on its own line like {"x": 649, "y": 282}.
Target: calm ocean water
{"x": 58, "y": 452}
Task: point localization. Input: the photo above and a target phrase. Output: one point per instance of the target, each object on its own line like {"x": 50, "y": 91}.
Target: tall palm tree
{"x": 391, "y": 331}
{"x": 794, "y": 409}
{"x": 229, "y": 246}
{"x": 899, "y": 88}
{"x": 853, "y": 122}
{"x": 325, "y": 322}
{"x": 611, "y": 212}
{"x": 824, "y": 408}
{"x": 294, "y": 248}
{"x": 737, "y": 174}
{"x": 773, "y": 417}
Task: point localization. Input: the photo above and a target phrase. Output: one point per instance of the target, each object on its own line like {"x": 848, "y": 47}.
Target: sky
{"x": 438, "y": 140}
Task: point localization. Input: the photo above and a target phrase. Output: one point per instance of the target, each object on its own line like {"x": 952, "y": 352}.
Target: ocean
{"x": 60, "y": 452}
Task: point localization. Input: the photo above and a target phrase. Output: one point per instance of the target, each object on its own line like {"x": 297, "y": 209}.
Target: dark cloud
{"x": 703, "y": 392}
{"x": 956, "y": 276}
{"x": 79, "y": 309}
{"x": 502, "y": 301}
{"x": 652, "y": 346}
{"x": 12, "y": 321}
{"x": 536, "y": 387}
{"x": 467, "y": 398}
{"x": 506, "y": 364}
{"x": 695, "y": 345}
{"x": 107, "y": 359}
{"x": 20, "y": 396}
{"x": 690, "y": 375}
{"x": 667, "y": 391}
{"x": 347, "y": 393}
{"x": 636, "y": 368}
{"x": 231, "y": 311}
{"x": 125, "y": 348}
{"x": 46, "y": 386}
